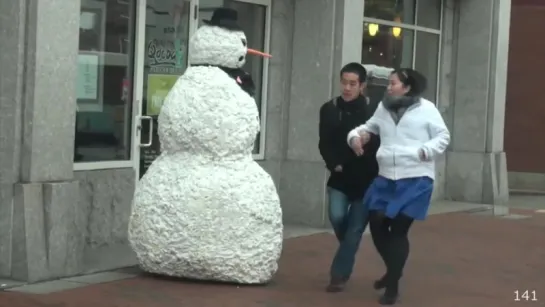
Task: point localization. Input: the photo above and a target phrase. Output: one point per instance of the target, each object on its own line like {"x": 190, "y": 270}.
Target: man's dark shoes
{"x": 336, "y": 284}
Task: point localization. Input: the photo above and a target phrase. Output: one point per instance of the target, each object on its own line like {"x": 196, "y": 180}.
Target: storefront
{"x": 82, "y": 83}
{"x": 524, "y": 124}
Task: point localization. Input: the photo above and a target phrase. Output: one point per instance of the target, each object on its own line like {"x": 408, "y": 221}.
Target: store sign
{"x": 158, "y": 88}
{"x": 162, "y": 53}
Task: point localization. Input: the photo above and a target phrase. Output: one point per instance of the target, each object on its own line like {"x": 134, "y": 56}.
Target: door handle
{"x": 150, "y": 138}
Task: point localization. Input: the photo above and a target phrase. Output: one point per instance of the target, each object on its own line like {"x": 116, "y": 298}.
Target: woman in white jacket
{"x": 413, "y": 134}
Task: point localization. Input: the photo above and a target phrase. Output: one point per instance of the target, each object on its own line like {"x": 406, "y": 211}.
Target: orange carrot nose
{"x": 259, "y": 53}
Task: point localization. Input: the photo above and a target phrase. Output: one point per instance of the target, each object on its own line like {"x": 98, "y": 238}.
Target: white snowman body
{"x": 205, "y": 209}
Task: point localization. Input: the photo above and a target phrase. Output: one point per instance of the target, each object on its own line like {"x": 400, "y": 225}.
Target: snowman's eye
{"x": 244, "y": 43}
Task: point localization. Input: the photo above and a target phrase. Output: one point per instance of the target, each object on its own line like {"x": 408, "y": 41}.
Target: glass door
{"x": 164, "y": 28}
{"x": 162, "y": 37}
{"x": 254, "y": 17}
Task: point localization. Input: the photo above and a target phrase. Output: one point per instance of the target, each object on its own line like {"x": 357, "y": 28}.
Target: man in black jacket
{"x": 350, "y": 175}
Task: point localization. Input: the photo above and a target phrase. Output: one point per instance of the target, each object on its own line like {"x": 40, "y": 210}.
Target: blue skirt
{"x": 410, "y": 196}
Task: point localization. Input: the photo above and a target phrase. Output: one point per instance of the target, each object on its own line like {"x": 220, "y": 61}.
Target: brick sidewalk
{"x": 457, "y": 260}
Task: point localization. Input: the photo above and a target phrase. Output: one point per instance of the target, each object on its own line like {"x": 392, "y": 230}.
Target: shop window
{"x": 429, "y": 13}
{"x": 106, "y": 67}
{"x": 386, "y": 47}
{"x": 252, "y": 18}
{"x": 423, "y": 13}
{"x": 166, "y": 41}
{"x": 104, "y": 79}
{"x": 426, "y": 59}
{"x": 402, "y": 33}
{"x": 402, "y": 11}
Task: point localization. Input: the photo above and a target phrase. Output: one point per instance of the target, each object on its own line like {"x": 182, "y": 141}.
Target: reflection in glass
{"x": 429, "y": 13}
{"x": 104, "y": 82}
{"x": 166, "y": 39}
{"x": 426, "y": 59}
{"x": 252, "y": 20}
{"x": 402, "y": 11}
{"x": 388, "y": 48}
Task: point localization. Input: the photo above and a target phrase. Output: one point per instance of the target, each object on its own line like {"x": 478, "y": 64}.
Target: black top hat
{"x": 224, "y": 18}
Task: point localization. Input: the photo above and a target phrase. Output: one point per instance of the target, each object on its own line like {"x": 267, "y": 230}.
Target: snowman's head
{"x": 220, "y": 42}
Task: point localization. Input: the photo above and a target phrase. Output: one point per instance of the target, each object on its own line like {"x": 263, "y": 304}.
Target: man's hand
{"x": 357, "y": 145}
{"x": 339, "y": 168}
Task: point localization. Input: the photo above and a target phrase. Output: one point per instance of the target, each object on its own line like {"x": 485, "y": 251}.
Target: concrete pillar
{"x": 278, "y": 91}
{"x": 446, "y": 78}
{"x": 39, "y": 56}
{"x": 12, "y": 28}
{"x": 476, "y": 163}
{"x": 352, "y": 31}
{"x": 50, "y": 90}
{"x": 327, "y": 34}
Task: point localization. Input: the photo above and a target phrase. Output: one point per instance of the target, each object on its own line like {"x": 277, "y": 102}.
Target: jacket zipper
{"x": 395, "y": 127}
{"x": 394, "y": 153}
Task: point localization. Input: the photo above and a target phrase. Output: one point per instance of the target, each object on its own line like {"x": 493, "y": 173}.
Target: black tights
{"x": 390, "y": 237}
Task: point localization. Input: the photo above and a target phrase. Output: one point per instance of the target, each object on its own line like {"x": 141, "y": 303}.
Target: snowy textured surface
{"x": 205, "y": 209}
{"x": 380, "y": 72}
{"x": 217, "y": 46}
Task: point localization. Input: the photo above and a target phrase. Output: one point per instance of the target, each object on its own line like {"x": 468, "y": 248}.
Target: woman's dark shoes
{"x": 388, "y": 300}
{"x": 389, "y": 297}
{"x": 380, "y": 283}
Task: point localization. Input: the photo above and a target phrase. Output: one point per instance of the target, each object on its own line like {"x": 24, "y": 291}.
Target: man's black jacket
{"x": 337, "y": 118}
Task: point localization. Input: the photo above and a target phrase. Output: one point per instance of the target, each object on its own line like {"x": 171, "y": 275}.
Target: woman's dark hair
{"x": 355, "y": 68}
{"x": 412, "y": 78}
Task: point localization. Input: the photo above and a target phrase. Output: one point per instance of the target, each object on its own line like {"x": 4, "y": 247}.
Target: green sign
{"x": 158, "y": 88}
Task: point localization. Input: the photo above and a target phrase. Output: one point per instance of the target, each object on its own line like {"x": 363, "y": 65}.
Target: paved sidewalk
{"x": 457, "y": 259}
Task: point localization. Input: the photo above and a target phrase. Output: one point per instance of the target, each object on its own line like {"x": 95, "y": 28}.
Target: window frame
{"x": 133, "y": 162}
{"x": 260, "y": 155}
{"x": 416, "y": 29}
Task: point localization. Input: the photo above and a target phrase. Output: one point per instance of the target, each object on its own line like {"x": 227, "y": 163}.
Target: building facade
{"x": 523, "y": 114}
{"x": 82, "y": 82}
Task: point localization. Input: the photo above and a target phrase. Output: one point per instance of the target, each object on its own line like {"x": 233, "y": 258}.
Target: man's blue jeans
{"x": 349, "y": 220}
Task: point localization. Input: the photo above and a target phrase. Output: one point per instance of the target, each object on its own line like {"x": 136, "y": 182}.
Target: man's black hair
{"x": 355, "y": 68}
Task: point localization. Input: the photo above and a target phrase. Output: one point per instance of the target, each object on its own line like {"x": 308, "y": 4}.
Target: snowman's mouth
{"x": 259, "y": 53}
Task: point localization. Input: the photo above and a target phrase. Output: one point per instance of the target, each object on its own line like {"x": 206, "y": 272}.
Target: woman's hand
{"x": 365, "y": 137}
{"x": 357, "y": 145}
{"x": 422, "y": 155}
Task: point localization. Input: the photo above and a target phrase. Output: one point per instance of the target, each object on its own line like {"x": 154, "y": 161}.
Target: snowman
{"x": 205, "y": 209}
